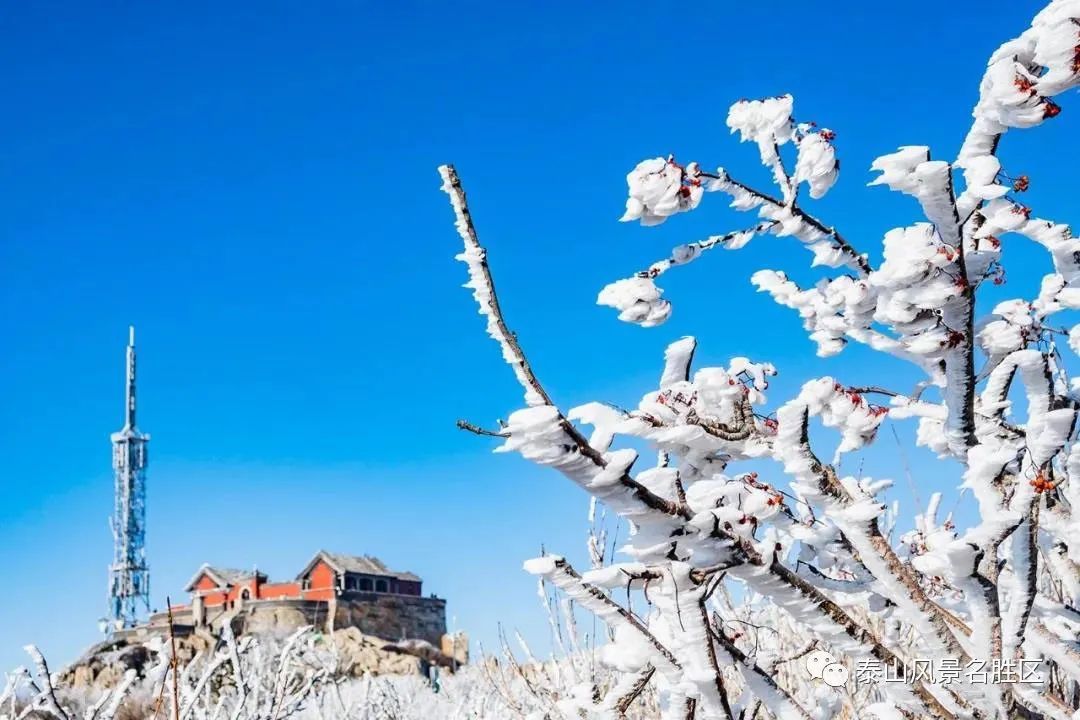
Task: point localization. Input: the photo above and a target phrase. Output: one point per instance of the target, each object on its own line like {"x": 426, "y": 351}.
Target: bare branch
{"x": 477, "y": 430}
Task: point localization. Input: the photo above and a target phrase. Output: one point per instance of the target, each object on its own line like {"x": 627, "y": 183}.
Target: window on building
{"x": 350, "y": 583}
{"x": 365, "y": 585}
{"x": 381, "y": 586}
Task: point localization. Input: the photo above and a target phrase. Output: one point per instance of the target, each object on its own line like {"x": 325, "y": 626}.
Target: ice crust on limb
{"x": 810, "y": 548}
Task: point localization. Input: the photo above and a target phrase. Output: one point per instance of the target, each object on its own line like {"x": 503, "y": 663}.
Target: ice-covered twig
{"x": 808, "y": 228}
{"x": 46, "y": 700}
{"x": 563, "y": 575}
{"x": 535, "y": 394}
{"x": 762, "y": 684}
{"x": 630, "y": 686}
{"x": 477, "y": 430}
{"x": 684, "y": 254}
{"x": 108, "y": 705}
{"x": 475, "y": 257}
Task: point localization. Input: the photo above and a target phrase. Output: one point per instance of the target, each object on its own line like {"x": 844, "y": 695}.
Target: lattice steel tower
{"x": 129, "y": 576}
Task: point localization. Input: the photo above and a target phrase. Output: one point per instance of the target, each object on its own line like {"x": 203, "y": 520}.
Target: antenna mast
{"x": 129, "y": 575}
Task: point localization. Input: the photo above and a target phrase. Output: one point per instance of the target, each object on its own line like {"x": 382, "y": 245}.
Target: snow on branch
{"x": 794, "y": 550}
{"x": 638, "y": 298}
{"x": 475, "y": 258}
{"x": 830, "y": 248}
{"x": 659, "y": 188}
{"x": 531, "y": 431}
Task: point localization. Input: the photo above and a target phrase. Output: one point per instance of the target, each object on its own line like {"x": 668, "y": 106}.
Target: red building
{"x": 332, "y": 591}
{"x": 327, "y": 576}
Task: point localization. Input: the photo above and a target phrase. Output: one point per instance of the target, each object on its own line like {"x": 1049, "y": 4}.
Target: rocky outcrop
{"x": 274, "y": 618}
{"x": 360, "y": 654}
{"x": 104, "y": 664}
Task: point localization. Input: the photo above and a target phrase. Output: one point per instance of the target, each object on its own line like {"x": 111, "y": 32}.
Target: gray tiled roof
{"x": 223, "y": 576}
{"x": 231, "y": 575}
{"x": 363, "y": 564}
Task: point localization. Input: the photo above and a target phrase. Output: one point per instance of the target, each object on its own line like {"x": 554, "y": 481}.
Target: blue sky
{"x": 254, "y": 188}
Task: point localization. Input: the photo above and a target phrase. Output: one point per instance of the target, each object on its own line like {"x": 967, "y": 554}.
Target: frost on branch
{"x": 1022, "y": 77}
{"x": 769, "y": 124}
{"x": 475, "y": 258}
{"x": 638, "y": 298}
{"x": 765, "y": 121}
{"x": 749, "y": 545}
{"x": 817, "y": 165}
{"x": 253, "y": 679}
{"x": 638, "y": 301}
{"x": 660, "y": 188}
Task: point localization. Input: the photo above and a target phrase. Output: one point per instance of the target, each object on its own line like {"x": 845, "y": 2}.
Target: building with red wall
{"x": 332, "y": 590}
{"x": 325, "y": 577}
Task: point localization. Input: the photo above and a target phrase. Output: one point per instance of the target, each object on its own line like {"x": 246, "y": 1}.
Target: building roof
{"x": 224, "y": 577}
{"x": 361, "y": 564}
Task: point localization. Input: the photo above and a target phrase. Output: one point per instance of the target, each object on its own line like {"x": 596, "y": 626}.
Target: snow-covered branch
{"x": 808, "y": 548}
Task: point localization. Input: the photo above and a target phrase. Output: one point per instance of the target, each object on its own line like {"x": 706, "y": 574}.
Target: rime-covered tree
{"x": 745, "y": 572}
{"x": 249, "y": 679}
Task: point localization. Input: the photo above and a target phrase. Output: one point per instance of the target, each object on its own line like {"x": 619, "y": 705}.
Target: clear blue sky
{"x": 254, "y": 187}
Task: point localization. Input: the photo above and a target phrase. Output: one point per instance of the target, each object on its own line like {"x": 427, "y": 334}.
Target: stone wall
{"x": 393, "y": 617}
{"x": 390, "y": 617}
{"x": 278, "y": 617}
{"x": 385, "y": 616}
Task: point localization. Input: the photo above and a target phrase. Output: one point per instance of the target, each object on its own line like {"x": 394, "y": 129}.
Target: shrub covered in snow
{"x": 301, "y": 678}
{"x": 246, "y": 679}
{"x": 747, "y": 575}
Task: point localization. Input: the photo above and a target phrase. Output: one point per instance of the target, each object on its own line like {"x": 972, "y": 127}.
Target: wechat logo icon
{"x": 822, "y": 666}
